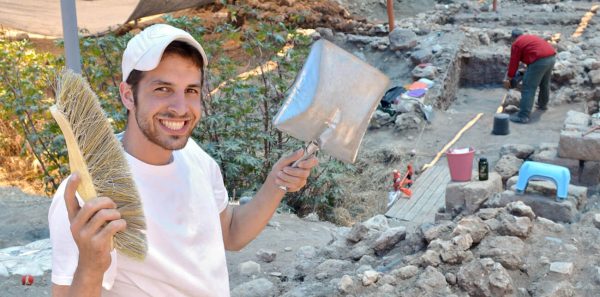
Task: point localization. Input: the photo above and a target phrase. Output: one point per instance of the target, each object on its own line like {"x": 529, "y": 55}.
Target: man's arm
{"x": 93, "y": 227}
{"x": 515, "y": 58}
{"x": 241, "y": 224}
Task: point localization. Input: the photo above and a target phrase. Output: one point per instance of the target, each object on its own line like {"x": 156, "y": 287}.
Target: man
{"x": 539, "y": 57}
{"x": 189, "y": 222}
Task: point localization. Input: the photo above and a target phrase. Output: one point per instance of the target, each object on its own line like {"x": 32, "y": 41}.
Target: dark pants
{"x": 537, "y": 74}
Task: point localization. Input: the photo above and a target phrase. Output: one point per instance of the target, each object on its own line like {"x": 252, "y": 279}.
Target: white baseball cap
{"x": 144, "y": 51}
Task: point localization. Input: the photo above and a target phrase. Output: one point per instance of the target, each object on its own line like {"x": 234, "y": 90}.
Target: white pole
{"x": 70, "y": 35}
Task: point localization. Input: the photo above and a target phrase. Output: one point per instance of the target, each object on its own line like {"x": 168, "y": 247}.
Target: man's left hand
{"x": 293, "y": 178}
{"x": 506, "y": 83}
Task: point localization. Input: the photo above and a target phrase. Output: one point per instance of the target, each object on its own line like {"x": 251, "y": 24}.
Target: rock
{"x": 378, "y": 222}
{"x": 266, "y": 256}
{"x": 402, "y": 39}
{"x": 595, "y": 77}
{"x": 405, "y": 272}
{"x": 430, "y": 258}
{"x": 576, "y": 119}
{"x": 380, "y": 119}
{"x": 488, "y": 213}
{"x": 518, "y": 208}
{"x": 467, "y": 197}
{"x": 357, "y": 233}
{"x": 388, "y": 239}
{"x": 345, "y": 285}
{"x": 453, "y": 251}
{"x": 333, "y": 267}
{"x": 326, "y": 33}
{"x": 563, "y": 72}
{"x": 513, "y": 97}
{"x": 361, "y": 269}
{"x": 306, "y": 252}
{"x": 590, "y": 173}
{"x": 565, "y": 268}
{"x": 424, "y": 71}
{"x": 255, "y": 288}
{"x": 432, "y": 282}
{"x": 408, "y": 121}
{"x": 473, "y": 226}
{"x": 4, "y": 271}
{"x": 485, "y": 278}
{"x": 573, "y": 146}
{"x": 360, "y": 250}
{"x": 367, "y": 260}
{"x": 511, "y": 109}
{"x": 521, "y": 151}
{"x": 484, "y": 39}
{"x": 549, "y": 225}
{"x": 507, "y": 250}
{"x": 554, "y": 289}
{"x": 562, "y": 211}
{"x": 249, "y": 268}
{"x": 437, "y": 231}
{"x": 287, "y": 2}
{"x": 421, "y": 56}
{"x": 508, "y": 166}
{"x": 451, "y": 278}
{"x": 597, "y": 220}
{"x": 288, "y": 249}
{"x": 312, "y": 217}
{"x": 386, "y": 289}
{"x": 514, "y": 226}
{"x": 370, "y": 277}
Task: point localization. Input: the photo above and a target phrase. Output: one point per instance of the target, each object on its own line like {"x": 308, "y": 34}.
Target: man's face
{"x": 168, "y": 102}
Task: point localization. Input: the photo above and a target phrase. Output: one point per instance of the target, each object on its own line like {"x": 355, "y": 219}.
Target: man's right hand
{"x": 506, "y": 83}
{"x": 93, "y": 226}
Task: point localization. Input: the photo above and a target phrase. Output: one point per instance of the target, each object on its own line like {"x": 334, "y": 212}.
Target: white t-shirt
{"x": 186, "y": 256}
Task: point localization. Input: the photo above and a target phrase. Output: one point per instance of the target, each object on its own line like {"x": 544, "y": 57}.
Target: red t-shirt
{"x": 528, "y": 49}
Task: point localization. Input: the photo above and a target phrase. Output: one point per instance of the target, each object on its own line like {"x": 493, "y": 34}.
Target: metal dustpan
{"x": 331, "y": 102}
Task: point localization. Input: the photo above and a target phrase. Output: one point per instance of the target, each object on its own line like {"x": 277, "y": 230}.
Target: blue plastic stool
{"x": 558, "y": 174}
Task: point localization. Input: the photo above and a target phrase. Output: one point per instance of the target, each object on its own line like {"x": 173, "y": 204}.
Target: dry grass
{"x": 368, "y": 188}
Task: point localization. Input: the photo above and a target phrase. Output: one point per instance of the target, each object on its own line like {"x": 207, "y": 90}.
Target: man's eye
{"x": 162, "y": 89}
{"x": 193, "y": 91}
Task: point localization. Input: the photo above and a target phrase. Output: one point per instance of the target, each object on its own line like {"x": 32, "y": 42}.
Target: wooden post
{"x": 494, "y": 5}
{"x": 390, "y": 11}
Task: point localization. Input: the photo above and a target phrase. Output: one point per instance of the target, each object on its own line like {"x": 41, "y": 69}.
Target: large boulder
{"x": 485, "y": 278}
{"x": 402, "y": 39}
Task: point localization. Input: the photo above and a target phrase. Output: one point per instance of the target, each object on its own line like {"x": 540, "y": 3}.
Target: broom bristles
{"x": 102, "y": 157}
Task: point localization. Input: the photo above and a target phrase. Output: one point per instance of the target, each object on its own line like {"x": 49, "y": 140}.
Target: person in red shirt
{"x": 538, "y": 54}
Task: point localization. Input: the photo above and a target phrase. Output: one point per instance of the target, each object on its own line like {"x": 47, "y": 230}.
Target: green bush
{"x": 236, "y": 128}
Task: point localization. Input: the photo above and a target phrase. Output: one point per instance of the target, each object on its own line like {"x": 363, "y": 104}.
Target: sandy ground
{"x": 44, "y": 17}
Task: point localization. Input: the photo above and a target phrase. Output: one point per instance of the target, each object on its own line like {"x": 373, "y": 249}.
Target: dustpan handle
{"x": 310, "y": 150}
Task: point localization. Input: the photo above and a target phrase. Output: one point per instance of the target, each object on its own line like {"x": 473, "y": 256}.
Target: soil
{"x": 382, "y": 150}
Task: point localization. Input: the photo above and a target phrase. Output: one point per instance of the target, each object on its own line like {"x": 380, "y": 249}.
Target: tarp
{"x": 146, "y": 8}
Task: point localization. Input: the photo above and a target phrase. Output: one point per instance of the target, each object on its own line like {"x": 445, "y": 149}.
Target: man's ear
{"x": 126, "y": 95}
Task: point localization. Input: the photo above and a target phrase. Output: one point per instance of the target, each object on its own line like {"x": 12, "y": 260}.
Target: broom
{"x": 96, "y": 154}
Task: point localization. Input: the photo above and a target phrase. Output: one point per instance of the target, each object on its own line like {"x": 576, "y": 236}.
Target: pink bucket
{"x": 460, "y": 163}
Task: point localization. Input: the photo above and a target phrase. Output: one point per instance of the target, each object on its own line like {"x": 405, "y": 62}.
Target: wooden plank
{"x": 399, "y": 205}
{"x": 422, "y": 192}
{"x": 397, "y": 211}
{"x": 436, "y": 194}
{"x": 430, "y": 204}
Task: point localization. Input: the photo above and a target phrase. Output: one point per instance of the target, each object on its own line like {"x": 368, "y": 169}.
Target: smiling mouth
{"x": 173, "y": 125}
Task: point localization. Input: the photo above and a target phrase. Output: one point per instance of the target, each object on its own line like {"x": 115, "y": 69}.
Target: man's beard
{"x": 167, "y": 142}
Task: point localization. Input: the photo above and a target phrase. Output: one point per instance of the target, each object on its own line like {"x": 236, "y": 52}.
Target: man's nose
{"x": 177, "y": 104}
